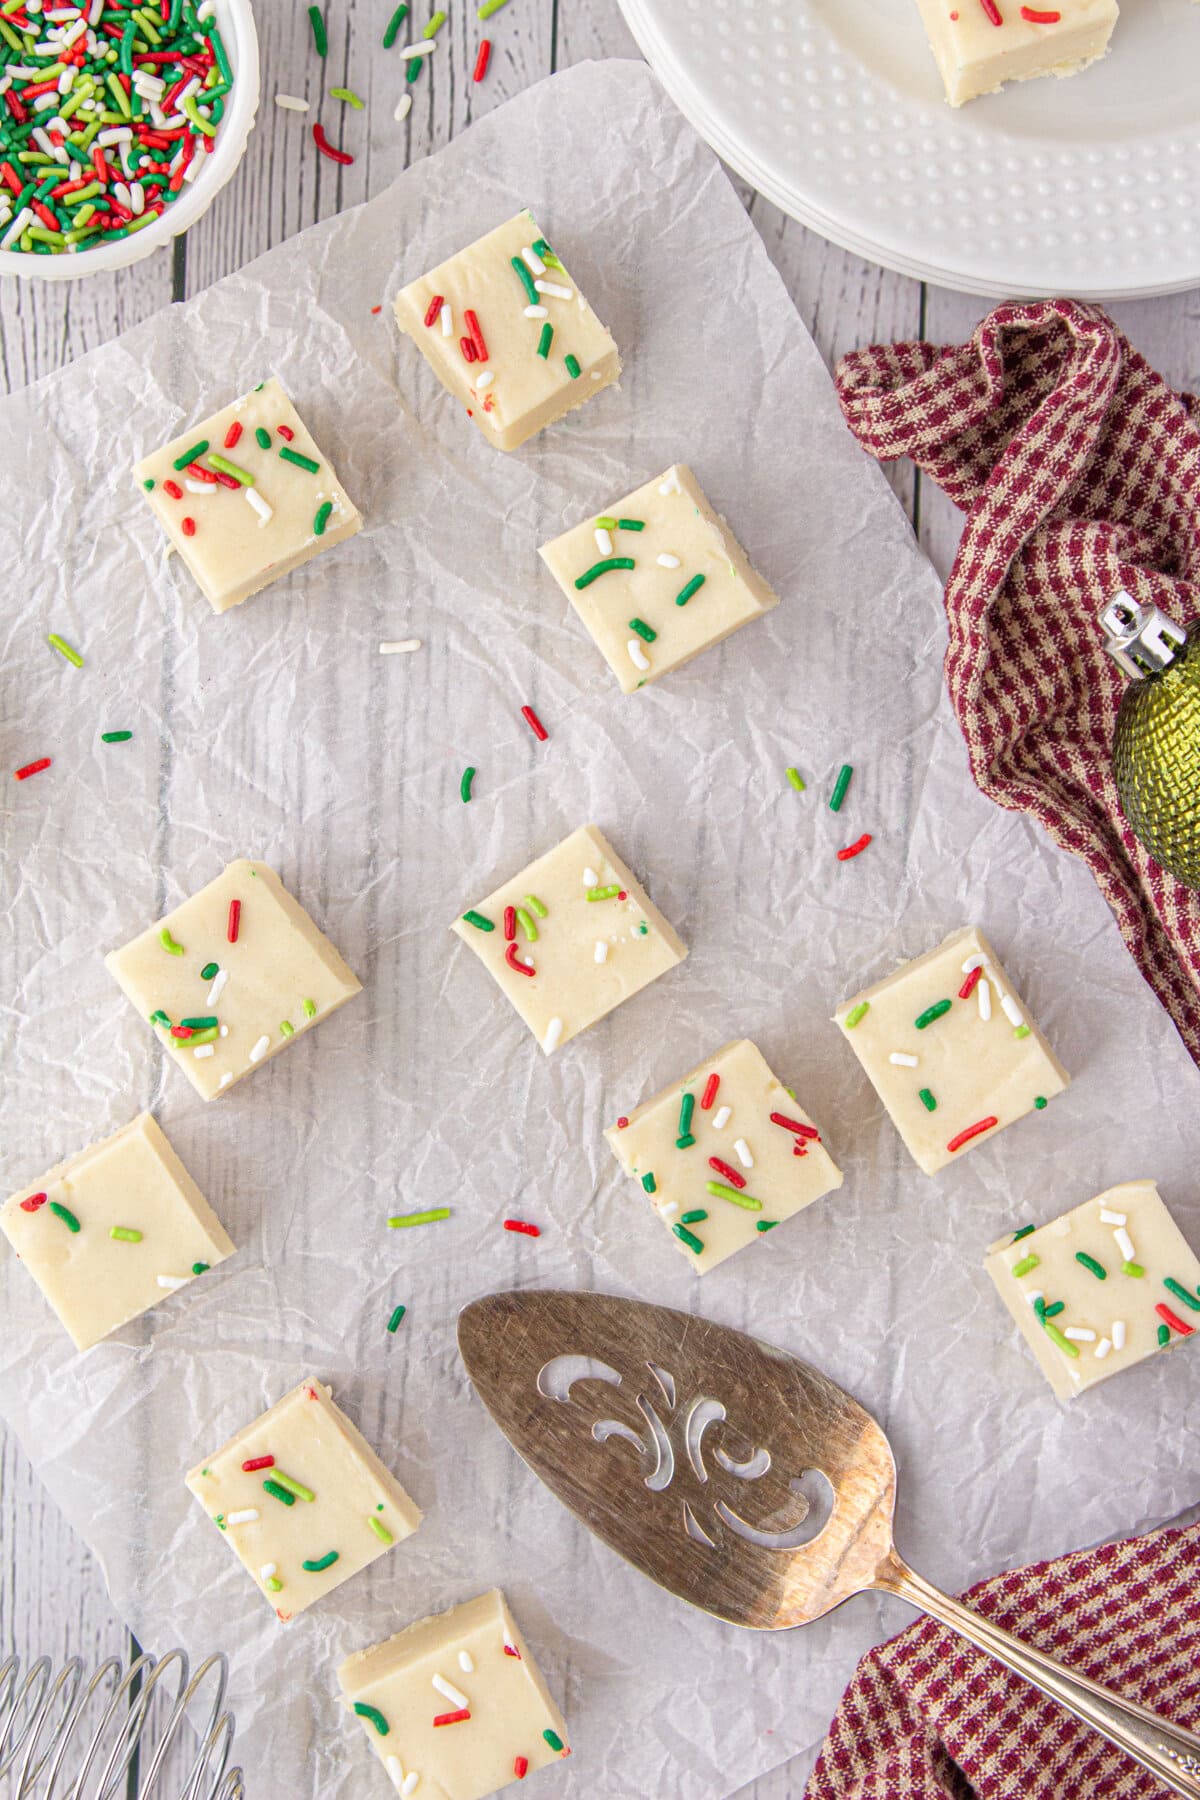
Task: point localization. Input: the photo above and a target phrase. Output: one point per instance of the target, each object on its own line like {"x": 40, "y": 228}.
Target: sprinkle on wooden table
{"x": 481, "y": 60}
{"x": 399, "y": 646}
{"x": 854, "y": 849}
{"x": 291, "y": 103}
{"x": 430, "y": 1216}
{"x": 64, "y": 649}
{"x": 403, "y": 108}
{"x": 33, "y": 768}
{"x": 490, "y": 8}
{"x": 394, "y": 1322}
{"x": 393, "y": 26}
{"x": 347, "y": 96}
{"x": 464, "y": 786}
{"x": 317, "y": 22}
{"x": 326, "y": 148}
{"x": 419, "y": 47}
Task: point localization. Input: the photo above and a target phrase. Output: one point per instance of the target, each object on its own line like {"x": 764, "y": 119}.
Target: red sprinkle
{"x": 181, "y": 1031}
{"x": 710, "y": 1091}
{"x": 235, "y": 919}
{"x": 188, "y": 527}
{"x": 622, "y": 1122}
{"x": 194, "y": 469}
{"x": 227, "y": 480}
{"x": 535, "y": 724}
{"x": 1176, "y": 1324}
{"x": 330, "y": 150}
{"x": 972, "y": 1131}
{"x": 522, "y": 1225}
{"x": 33, "y": 768}
{"x": 993, "y": 11}
{"x": 511, "y": 1650}
{"x": 258, "y": 1462}
{"x": 285, "y": 431}
{"x": 854, "y": 849}
{"x": 173, "y": 488}
{"x": 481, "y": 63}
{"x": 471, "y": 323}
{"x": 723, "y": 1168}
{"x": 969, "y": 985}
{"x": 1036, "y": 17}
{"x": 454, "y": 1717}
{"x": 33, "y": 1202}
{"x": 520, "y": 1763}
{"x": 804, "y": 1131}
{"x": 233, "y": 434}
{"x": 510, "y": 923}
{"x": 510, "y": 957}
{"x": 377, "y": 309}
{"x": 434, "y": 308}
{"x": 468, "y": 349}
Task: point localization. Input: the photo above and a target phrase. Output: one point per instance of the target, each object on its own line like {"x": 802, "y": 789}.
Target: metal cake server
{"x": 738, "y": 1477}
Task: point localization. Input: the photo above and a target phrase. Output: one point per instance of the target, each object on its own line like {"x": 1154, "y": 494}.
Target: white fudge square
{"x": 302, "y": 1499}
{"x": 951, "y": 1049}
{"x": 239, "y": 532}
{"x": 657, "y": 578}
{"x": 724, "y": 1154}
{"x": 1101, "y": 1288}
{"x": 980, "y": 44}
{"x": 570, "y": 937}
{"x": 232, "y": 976}
{"x": 507, "y": 332}
{"x": 114, "y": 1230}
{"x": 455, "y": 1707}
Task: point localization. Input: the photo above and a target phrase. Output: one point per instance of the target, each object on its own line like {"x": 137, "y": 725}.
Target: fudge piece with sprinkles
{"x": 570, "y": 937}
{"x": 724, "y": 1154}
{"x": 232, "y": 976}
{"x": 455, "y": 1705}
{"x": 302, "y": 1499}
{"x": 980, "y": 44}
{"x": 246, "y": 496}
{"x": 1101, "y": 1288}
{"x": 506, "y": 330}
{"x": 951, "y": 1050}
{"x": 114, "y": 1230}
{"x": 657, "y": 578}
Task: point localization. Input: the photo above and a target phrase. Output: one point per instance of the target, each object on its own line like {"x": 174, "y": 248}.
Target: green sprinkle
{"x": 393, "y": 26}
{"x": 348, "y": 95}
{"x": 526, "y": 280}
{"x": 735, "y": 1195}
{"x": 429, "y": 1217}
{"x": 1056, "y": 1337}
{"x": 64, "y": 649}
{"x": 414, "y": 68}
{"x": 643, "y": 630}
{"x": 1041, "y": 1103}
{"x": 685, "y": 1142}
{"x": 203, "y": 1037}
{"x": 840, "y": 786}
{"x": 1181, "y": 1293}
{"x": 927, "y": 1100}
{"x": 148, "y": 484}
{"x": 300, "y": 461}
{"x": 1052, "y": 1312}
{"x": 1026, "y": 1266}
{"x": 689, "y": 1238}
{"x": 192, "y": 455}
{"x": 603, "y": 523}
{"x": 531, "y": 900}
{"x": 765, "y": 1224}
{"x": 693, "y": 587}
{"x": 489, "y": 7}
{"x": 796, "y": 780}
{"x": 695, "y": 1217}
{"x": 525, "y": 920}
{"x": 1134, "y": 1269}
{"x": 464, "y": 786}
{"x": 551, "y": 1737}
{"x": 159, "y": 1018}
{"x": 200, "y": 1268}
{"x": 126, "y": 51}
{"x": 294, "y": 1487}
{"x": 115, "y": 737}
{"x": 602, "y": 893}
{"x": 319, "y": 1563}
{"x": 1164, "y": 1336}
{"x": 571, "y": 364}
{"x": 125, "y": 1234}
{"x": 1022, "y": 1031}
{"x": 938, "y": 1010}
{"x": 286, "y": 1028}
{"x": 1023, "y": 1233}
{"x": 231, "y": 469}
{"x": 1090, "y": 1263}
{"x": 320, "y": 42}
{"x": 373, "y": 1714}
{"x": 168, "y": 943}
{"x": 547, "y": 336}
{"x": 649, "y": 1183}
{"x": 310, "y": 1009}
{"x": 279, "y": 1492}
{"x": 209, "y": 971}
{"x": 274, "y": 1585}
{"x": 547, "y": 255}
{"x": 262, "y": 437}
{"x": 856, "y": 1015}
{"x": 322, "y": 518}
{"x": 478, "y": 921}
{"x": 435, "y": 25}
{"x": 378, "y": 1527}
{"x": 394, "y": 1322}
{"x": 603, "y": 567}
{"x": 631, "y": 524}
{"x": 687, "y": 1106}
{"x": 198, "y": 1024}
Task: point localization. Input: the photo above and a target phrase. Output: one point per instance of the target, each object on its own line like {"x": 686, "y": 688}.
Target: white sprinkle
{"x": 204, "y": 1049}
{"x": 743, "y": 1153}
{"x": 553, "y": 1033}
{"x": 532, "y": 260}
{"x": 1102, "y": 1349}
{"x": 1011, "y": 1011}
{"x": 1080, "y": 1334}
{"x": 291, "y": 103}
{"x": 1118, "y": 1334}
{"x": 537, "y": 312}
{"x": 116, "y": 134}
{"x": 423, "y": 47}
{"x": 985, "y": 1000}
{"x": 465, "y": 1663}
{"x": 449, "y": 1692}
{"x": 484, "y": 378}
{"x": 267, "y": 1570}
{"x": 670, "y": 485}
{"x": 193, "y": 487}
{"x": 601, "y": 950}
{"x": 1125, "y": 1244}
{"x": 122, "y": 196}
{"x": 398, "y": 646}
{"x": 637, "y": 655}
{"x": 1035, "y": 1297}
{"x": 23, "y": 218}
{"x": 245, "y": 1517}
{"x": 604, "y": 541}
{"x": 1112, "y": 1218}
{"x": 172, "y": 1281}
{"x": 903, "y": 1059}
{"x": 590, "y": 878}
{"x": 403, "y": 108}
{"x": 206, "y": 10}
{"x": 137, "y": 199}
{"x": 224, "y": 1030}
{"x": 265, "y": 512}
{"x": 978, "y": 961}
{"x": 721, "y": 1117}
{"x": 226, "y": 1078}
{"x": 260, "y": 1049}
{"x": 409, "y": 1785}
{"x": 555, "y": 289}
{"x": 214, "y": 992}
{"x": 667, "y": 561}
{"x": 446, "y": 316}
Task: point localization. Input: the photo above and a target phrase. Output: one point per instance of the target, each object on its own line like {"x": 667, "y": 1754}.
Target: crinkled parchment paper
{"x": 278, "y": 731}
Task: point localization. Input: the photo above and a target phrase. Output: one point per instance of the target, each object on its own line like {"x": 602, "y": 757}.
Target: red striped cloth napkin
{"x": 1078, "y": 470}
{"x": 927, "y": 1716}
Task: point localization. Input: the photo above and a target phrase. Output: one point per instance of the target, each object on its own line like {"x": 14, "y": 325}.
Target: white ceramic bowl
{"x": 236, "y": 21}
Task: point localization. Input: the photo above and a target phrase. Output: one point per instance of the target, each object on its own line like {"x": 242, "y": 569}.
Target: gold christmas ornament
{"x": 1156, "y": 745}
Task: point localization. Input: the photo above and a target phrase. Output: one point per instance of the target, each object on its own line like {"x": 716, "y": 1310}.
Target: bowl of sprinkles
{"x": 120, "y": 121}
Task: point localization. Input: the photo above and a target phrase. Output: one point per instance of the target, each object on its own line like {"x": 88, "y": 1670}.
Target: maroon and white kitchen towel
{"x": 927, "y": 1716}
{"x": 1078, "y": 470}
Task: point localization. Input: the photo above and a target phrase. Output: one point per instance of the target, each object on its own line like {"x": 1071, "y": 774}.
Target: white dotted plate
{"x": 833, "y": 109}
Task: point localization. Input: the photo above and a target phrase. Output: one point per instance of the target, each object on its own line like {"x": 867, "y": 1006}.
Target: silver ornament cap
{"x": 1140, "y": 639}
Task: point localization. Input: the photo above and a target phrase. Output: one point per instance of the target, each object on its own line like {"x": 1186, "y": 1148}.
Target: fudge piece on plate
{"x": 981, "y": 44}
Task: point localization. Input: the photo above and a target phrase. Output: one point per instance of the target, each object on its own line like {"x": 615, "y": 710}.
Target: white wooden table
{"x": 52, "y": 1594}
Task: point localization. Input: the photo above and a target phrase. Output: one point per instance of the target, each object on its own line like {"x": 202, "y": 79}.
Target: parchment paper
{"x": 278, "y": 731}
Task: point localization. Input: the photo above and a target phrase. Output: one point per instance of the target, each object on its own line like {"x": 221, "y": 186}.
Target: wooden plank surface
{"x": 52, "y": 1595}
